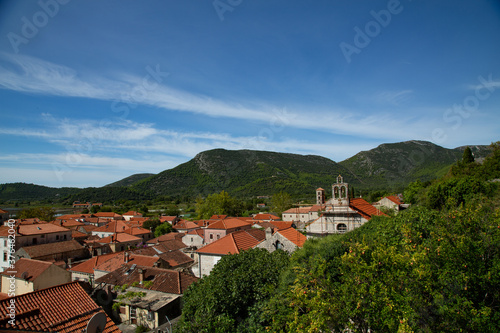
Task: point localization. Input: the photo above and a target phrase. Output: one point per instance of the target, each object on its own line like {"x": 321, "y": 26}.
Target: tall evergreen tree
{"x": 467, "y": 157}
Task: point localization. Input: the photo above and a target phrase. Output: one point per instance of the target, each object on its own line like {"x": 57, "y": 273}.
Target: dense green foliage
{"x": 228, "y": 299}
{"x": 280, "y": 202}
{"x": 432, "y": 268}
{"x": 218, "y": 204}
{"x": 130, "y": 180}
{"x": 163, "y": 229}
{"x": 393, "y": 166}
{"x": 26, "y": 192}
{"x": 43, "y": 213}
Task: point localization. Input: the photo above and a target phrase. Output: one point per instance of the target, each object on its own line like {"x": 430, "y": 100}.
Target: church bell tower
{"x": 340, "y": 192}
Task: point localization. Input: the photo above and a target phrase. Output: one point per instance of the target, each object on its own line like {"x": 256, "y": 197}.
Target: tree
{"x": 151, "y": 224}
{"x": 163, "y": 229}
{"x": 218, "y": 204}
{"x": 43, "y": 213}
{"x": 467, "y": 156}
{"x": 280, "y": 202}
{"x": 226, "y": 300}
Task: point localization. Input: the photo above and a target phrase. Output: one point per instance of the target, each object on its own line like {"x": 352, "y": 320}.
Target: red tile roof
{"x": 116, "y": 262}
{"x": 218, "y": 217}
{"x": 167, "y": 237}
{"x": 187, "y": 225}
{"x": 173, "y": 257}
{"x": 198, "y": 232}
{"x": 294, "y": 236}
{"x": 68, "y": 223}
{"x": 34, "y": 229}
{"x": 43, "y": 250}
{"x": 63, "y": 308}
{"x": 164, "y": 280}
{"x": 265, "y": 217}
{"x": 89, "y": 265}
{"x": 394, "y": 199}
{"x": 281, "y": 224}
{"x": 364, "y": 208}
{"x": 132, "y": 213}
{"x": 230, "y": 223}
{"x": 136, "y": 230}
{"x": 120, "y": 238}
{"x": 113, "y": 226}
{"x": 33, "y": 268}
{"x": 235, "y": 242}
{"x": 107, "y": 214}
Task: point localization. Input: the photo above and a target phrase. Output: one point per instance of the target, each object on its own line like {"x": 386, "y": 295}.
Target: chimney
{"x": 69, "y": 262}
{"x": 126, "y": 257}
{"x": 141, "y": 275}
{"x": 269, "y": 233}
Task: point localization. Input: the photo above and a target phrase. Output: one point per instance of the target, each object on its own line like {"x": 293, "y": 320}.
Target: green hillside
{"x": 130, "y": 180}
{"x": 27, "y": 192}
{"x": 394, "y": 165}
{"x": 245, "y": 173}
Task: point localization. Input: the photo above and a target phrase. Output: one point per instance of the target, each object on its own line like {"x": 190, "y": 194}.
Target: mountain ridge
{"x": 244, "y": 173}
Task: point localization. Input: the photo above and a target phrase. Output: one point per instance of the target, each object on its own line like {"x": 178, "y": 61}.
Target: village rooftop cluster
{"x": 112, "y": 265}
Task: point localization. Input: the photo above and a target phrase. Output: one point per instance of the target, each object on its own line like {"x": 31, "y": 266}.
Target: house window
{"x": 218, "y": 236}
{"x": 43, "y": 236}
{"x": 151, "y": 315}
{"x": 211, "y": 236}
{"x": 57, "y": 237}
{"x": 191, "y": 239}
{"x": 35, "y": 241}
{"x": 278, "y": 245}
{"x": 341, "y": 227}
{"x": 65, "y": 236}
{"x": 5, "y": 255}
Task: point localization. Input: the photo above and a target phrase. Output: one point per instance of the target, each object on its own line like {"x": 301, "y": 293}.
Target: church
{"x": 339, "y": 214}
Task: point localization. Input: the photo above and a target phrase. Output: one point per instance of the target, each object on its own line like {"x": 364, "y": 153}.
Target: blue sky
{"x": 94, "y": 91}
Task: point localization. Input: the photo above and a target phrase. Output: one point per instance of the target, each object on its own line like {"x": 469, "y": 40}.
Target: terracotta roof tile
{"x": 294, "y": 236}
{"x": 113, "y": 226}
{"x": 89, "y": 265}
{"x": 33, "y": 267}
{"x": 186, "y": 225}
{"x": 235, "y": 242}
{"x": 120, "y": 238}
{"x": 132, "y": 213}
{"x": 34, "y": 229}
{"x": 164, "y": 280}
{"x": 265, "y": 217}
{"x": 117, "y": 261}
{"x": 229, "y": 223}
{"x": 394, "y": 199}
{"x": 107, "y": 214}
{"x": 42, "y": 250}
{"x": 63, "y": 308}
{"x": 364, "y": 208}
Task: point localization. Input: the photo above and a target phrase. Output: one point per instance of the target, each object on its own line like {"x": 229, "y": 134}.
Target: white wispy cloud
{"x": 125, "y": 92}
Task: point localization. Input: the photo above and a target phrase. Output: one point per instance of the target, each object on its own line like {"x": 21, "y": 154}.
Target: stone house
{"x": 221, "y": 228}
{"x": 59, "y": 254}
{"x": 285, "y": 239}
{"x": 31, "y": 275}
{"x": 210, "y": 254}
